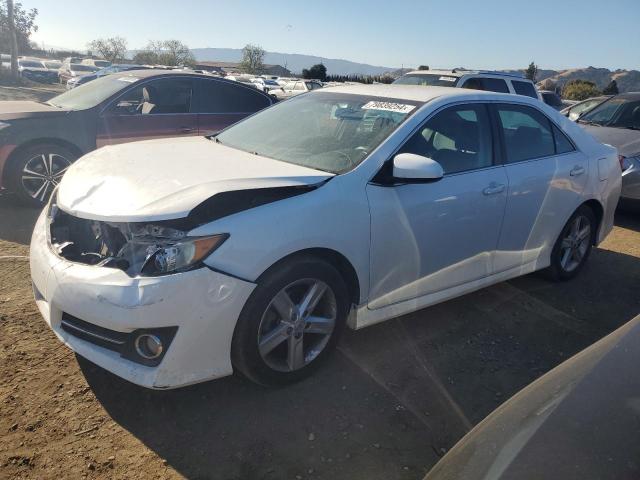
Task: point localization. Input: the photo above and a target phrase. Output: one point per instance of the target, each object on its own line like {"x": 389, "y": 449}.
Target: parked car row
{"x": 50, "y": 71}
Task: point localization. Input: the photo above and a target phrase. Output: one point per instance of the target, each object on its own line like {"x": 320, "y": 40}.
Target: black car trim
{"x": 224, "y": 204}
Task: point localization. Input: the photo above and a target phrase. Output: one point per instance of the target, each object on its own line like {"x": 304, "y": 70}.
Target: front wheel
{"x": 37, "y": 170}
{"x": 573, "y": 246}
{"x": 291, "y": 321}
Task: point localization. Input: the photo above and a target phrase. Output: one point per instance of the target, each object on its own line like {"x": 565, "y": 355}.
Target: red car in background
{"x": 39, "y": 141}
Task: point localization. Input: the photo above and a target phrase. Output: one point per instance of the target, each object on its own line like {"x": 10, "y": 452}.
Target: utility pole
{"x": 12, "y": 39}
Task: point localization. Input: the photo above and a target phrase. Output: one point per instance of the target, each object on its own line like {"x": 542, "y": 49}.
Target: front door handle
{"x": 494, "y": 188}
{"x": 577, "y": 170}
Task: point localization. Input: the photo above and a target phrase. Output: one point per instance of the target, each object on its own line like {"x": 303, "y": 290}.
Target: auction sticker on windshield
{"x": 448, "y": 79}
{"x": 389, "y": 107}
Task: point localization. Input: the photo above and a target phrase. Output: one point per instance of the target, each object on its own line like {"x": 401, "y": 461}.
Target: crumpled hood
{"x": 625, "y": 140}
{"x": 164, "y": 179}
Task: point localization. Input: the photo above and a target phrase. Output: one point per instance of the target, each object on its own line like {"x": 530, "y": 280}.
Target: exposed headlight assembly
{"x": 162, "y": 250}
{"x": 139, "y": 249}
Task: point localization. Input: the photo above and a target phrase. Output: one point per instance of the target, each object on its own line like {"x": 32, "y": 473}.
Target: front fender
{"x": 334, "y": 216}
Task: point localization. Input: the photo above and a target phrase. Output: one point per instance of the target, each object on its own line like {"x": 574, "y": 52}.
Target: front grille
{"x": 92, "y": 333}
{"x": 122, "y": 343}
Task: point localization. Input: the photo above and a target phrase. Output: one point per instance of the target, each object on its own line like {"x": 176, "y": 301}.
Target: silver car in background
{"x": 574, "y": 112}
{"x": 616, "y": 122}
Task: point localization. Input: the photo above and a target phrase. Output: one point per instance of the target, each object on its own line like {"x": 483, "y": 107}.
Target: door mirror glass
{"x": 416, "y": 167}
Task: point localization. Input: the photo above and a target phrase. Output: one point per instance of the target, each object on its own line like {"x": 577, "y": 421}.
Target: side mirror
{"x": 410, "y": 166}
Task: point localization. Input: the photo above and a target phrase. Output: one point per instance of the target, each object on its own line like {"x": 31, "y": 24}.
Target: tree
{"x": 113, "y": 49}
{"x": 423, "y": 67}
{"x": 580, "y": 90}
{"x": 531, "y": 72}
{"x": 145, "y": 57}
{"x": 175, "y": 53}
{"x": 172, "y": 53}
{"x": 16, "y": 34}
{"x": 252, "y": 59}
{"x": 611, "y": 89}
{"x": 316, "y": 72}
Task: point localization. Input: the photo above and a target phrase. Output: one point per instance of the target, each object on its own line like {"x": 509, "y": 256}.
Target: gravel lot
{"x": 388, "y": 404}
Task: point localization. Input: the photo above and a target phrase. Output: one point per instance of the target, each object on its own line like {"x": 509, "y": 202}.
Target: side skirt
{"x": 362, "y": 316}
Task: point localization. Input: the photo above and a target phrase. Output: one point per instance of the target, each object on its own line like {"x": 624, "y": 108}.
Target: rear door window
{"x": 526, "y": 132}
{"x": 524, "y": 88}
{"x": 216, "y": 96}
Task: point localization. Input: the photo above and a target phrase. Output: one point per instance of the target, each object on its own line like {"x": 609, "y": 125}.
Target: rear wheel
{"x": 37, "y": 170}
{"x": 290, "y": 322}
{"x": 573, "y": 246}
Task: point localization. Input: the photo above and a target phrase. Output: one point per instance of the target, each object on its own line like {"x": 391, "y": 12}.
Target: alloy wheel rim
{"x": 297, "y": 325}
{"x": 575, "y": 243}
{"x": 42, "y": 173}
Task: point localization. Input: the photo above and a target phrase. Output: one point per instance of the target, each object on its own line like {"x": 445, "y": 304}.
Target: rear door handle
{"x": 494, "y": 188}
{"x": 577, "y": 170}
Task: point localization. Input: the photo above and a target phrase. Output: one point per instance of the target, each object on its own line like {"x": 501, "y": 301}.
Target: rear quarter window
{"x": 563, "y": 144}
{"x": 552, "y": 99}
{"x": 222, "y": 97}
{"x": 524, "y": 88}
{"x": 486, "y": 84}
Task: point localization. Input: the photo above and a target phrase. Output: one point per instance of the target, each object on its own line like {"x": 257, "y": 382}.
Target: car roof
{"x": 629, "y": 95}
{"x": 157, "y": 72}
{"x": 417, "y": 93}
{"x": 460, "y": 72}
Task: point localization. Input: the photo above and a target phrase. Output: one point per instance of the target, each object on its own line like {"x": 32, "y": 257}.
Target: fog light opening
{"x": 148, "y": 346}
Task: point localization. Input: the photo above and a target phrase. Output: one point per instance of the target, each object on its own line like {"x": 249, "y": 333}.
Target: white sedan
{"x": 174, "y": 261}
{"x": 294, "y": 88}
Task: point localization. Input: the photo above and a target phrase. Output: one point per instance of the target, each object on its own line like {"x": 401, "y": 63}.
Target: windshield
{"x": 617, "y": 112}
{"x": 91, "y": 94}
{"x": 82, "y": 68}
{"x": 331, "y": 132}
{"x": 270, "y": 82}
{"x": 101, "y": 63}
{"x": 429, "y": 79}
{"x": 31, "y": 64}
{"x": 53, "y": 65}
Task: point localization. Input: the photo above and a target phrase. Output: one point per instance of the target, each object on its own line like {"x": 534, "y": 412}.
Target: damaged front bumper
{"x": 203, "y": 304}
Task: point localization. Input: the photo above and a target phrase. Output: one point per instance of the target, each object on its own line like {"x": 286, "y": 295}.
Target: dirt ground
{"x": 389, "y": 403}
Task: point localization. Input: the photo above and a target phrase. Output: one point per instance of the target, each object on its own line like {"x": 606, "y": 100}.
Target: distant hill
{"x": 627, "y": 80}
{"x": 293, "y": 61}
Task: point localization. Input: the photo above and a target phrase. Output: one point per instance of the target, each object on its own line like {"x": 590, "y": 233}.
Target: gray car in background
{"x": 616, "y": 122}
{"x": 577, "y": 422}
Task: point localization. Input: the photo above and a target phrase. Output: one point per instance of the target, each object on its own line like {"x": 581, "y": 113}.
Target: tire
{"x": 291, "y": 349}
{"x": 29, "y": 177}
{"x": 572, "y": 248}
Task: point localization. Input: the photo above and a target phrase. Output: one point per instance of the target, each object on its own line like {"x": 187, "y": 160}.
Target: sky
{"x": 491, "y": 34}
